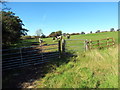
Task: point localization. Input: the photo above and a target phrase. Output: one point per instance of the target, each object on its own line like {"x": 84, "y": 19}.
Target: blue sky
{"x": 63, "y": 0}
{"x": 70, "y": 17}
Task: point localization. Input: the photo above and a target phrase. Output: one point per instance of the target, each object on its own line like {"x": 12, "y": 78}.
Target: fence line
{"x": 74, "y": 45}
{"x": 90, "y": 44}
{"x": 25, "y": 56}
{"x": 33, "y": 55}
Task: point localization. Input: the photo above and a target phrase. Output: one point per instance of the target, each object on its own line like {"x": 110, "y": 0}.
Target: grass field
{"x": 94, "y": 36}
{"x": 90, "y": 69}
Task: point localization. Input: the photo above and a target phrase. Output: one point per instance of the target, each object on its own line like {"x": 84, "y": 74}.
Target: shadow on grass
{"x": 24, "y": 77}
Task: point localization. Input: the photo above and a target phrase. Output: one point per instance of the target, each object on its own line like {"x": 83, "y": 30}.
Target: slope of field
{"x": 94, "y": 36}
{"x": 97, "y": 36}
{"x": 78, "y": 41}
{"x": 91, "y": 69}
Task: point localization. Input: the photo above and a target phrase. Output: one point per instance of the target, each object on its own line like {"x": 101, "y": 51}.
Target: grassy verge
{"x": 93, "y": 69}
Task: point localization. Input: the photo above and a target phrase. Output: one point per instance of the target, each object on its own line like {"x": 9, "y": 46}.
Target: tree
{"x": 75, "y": 33}
{"x": 58, "y": 33}
{"x": 112, "y": 29}
{"x": 98, "y": 31}
{"x": 54, "y": 34}
{"x": 43, "y": 36}
{"x": 11, "y": 28}
{"x": 39, "y": 32}
{"x": 118, "y": 29}
{"x": 64, "y": 34}
{"x": 82, "y": 32}
{"x": 90, "y": 31}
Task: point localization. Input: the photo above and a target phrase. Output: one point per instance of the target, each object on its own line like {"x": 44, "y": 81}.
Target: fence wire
{"x": 74, "y": 45}
{"x": 26, "y": 56}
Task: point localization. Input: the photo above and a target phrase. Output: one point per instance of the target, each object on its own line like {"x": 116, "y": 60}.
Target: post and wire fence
{"x": 34, "y": 55}
{"x": 74, "y": 45}
{"x": 26, "y": 56}
{"x": 80, "y": 45}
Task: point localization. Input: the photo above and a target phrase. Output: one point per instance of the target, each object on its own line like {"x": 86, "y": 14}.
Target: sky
{"x": 63, "y": 0}
{"x": 70, "y": 17}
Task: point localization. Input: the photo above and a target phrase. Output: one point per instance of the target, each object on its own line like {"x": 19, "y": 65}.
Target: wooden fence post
{"x": 21, "y": 56}
{"x": 98, "y": 43}
{"x": 107, "y": 42}
{"x": 90, "y": 44}
{"x": 113, "y": 42}
{"x": 59, "y": 47}
{"x": 42, "y": 52}
{"x": 86, "y": 45}
{"x": 63, "y": 45}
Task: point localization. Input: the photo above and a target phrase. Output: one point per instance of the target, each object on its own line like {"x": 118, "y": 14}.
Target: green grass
{"x": 94, "y": 36}
{"x": 92, "y": 69}
{"x": 24, "y": 43}
{"x": 79, "y": 45}
{"x": 30, "y": 42}
{"x": 97, "y": 36}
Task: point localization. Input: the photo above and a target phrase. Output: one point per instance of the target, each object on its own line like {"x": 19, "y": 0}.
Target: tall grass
{"x": 93, "y": 69}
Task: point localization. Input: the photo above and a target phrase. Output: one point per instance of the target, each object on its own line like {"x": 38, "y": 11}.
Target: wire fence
{"x": 74, "y": 45}
{"x": 25, "y": 56}
{"x": 80, "y": 45}
{"x": 21, "y": 57}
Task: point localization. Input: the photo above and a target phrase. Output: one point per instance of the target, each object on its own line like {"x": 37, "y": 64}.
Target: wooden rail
{"x": 100, "y": 43}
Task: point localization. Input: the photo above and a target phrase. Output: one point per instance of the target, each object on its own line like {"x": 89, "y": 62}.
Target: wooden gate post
{"x": 21, "y": 56}
{"x": 98, "y": 43}
{"x": 90, "y": 47}
{"x": 86, "y": 45}
{"x": 59, "y": 47}
{"x": 113, "y": 42}
{"x": 63, "y": 45}
{"x": 107, "y": 42}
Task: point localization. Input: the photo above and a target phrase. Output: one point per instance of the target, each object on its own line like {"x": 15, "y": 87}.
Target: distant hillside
{"x": 97, "y": 36}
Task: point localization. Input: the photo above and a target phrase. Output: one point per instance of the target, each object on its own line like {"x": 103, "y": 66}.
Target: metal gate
{"x": 26, "y": 56}
{"x": 75, "y": 45}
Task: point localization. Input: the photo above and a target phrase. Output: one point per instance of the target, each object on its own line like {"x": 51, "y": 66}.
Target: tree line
{"x": 12, "y": 26}
{"x": 39, "y": 33}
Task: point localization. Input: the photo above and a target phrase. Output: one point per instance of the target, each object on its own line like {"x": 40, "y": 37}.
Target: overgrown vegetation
{"x": 93, "y": 69}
